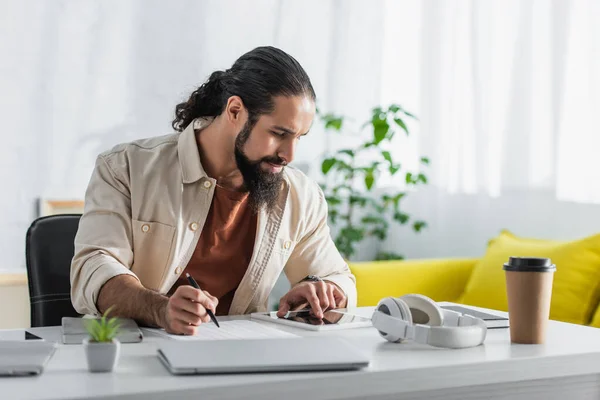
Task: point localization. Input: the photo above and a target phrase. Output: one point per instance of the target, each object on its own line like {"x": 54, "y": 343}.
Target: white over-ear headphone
{"x": 418, "y": 318}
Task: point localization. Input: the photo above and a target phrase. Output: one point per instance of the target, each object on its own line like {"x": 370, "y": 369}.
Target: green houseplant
{"x": 102, "y": 346}
{"x": 351, "y": 177}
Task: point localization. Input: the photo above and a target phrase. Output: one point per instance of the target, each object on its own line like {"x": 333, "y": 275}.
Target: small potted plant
{"x": 102, "y": 348}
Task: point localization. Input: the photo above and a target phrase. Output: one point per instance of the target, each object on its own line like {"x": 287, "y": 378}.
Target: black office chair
{"x": 49, "y": 249}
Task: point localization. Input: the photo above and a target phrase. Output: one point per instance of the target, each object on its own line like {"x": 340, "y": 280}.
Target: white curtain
{"x": 81, "y": 76}
{"x": 509, "y": 91}
{"x": 509, "y": 96}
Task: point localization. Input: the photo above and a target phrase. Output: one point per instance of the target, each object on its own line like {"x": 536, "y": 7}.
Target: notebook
{"x": 73, "y": 331}
{"x": 236, "y": 329}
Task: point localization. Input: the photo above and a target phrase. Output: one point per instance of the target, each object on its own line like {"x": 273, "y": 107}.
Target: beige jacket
{"x": 145, "y": 207}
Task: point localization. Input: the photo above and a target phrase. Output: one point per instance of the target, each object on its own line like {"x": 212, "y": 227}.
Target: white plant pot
{"x": 102, "y": 357}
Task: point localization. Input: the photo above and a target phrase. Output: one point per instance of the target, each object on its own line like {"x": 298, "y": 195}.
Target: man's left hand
{"x": 321, "y": 296}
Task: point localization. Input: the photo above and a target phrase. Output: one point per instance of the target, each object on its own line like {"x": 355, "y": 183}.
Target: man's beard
{"x": 263, "y": 187}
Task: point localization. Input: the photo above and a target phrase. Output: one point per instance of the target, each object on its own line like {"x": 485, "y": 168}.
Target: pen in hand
{"x": 193, "y": 282}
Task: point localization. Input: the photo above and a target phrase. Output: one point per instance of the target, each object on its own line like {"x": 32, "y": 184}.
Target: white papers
{"x": 236, "y": 329}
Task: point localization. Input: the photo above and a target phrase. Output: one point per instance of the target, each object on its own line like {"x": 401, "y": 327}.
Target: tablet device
{"x": 304, "y": 319}
{"x": 27, "y": 357}
{"x": 18, "y": 335}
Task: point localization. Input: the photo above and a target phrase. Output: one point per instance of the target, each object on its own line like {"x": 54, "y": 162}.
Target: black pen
{"x": 193, "y": 282}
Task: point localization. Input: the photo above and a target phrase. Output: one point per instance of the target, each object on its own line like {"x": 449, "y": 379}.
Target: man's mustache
{"x": 275, "y": 160}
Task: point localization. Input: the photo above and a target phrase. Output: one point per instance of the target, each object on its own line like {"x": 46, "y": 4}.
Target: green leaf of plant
{"x": 394, "y": 169}
{"x": 422, "y": 178}
{"x": 373, "y": 219}
{"x": 379, "y": 233}
{"x": 327, "y": 164}
{"x": 409, "y": 178}
{"x": 342, "y": 166}
{"x": 401, "y": 217}
{"x": 361, "y": 200}
{"x": 369, "y": 180}
{"x": 410, "y": 115}
{"x": 394, "y": 108}
{"x": 398, "y": 197}
{"x": 387, "y": 156}
{"x": 380, "y": 130}
{"x": 401, "y": 124}
{"x": 425, "y": 160}
{"x": 347, "y": 152}
{"x": 388, "y": 256}
{"x": 333, "y": 122}
{"x": 353, "y": 234}
{"x": 419, "y": 225}
{"x": 377, "y": 111}
{"x": 332, "y": 200}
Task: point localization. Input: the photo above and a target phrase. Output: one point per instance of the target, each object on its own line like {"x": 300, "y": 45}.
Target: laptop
{"x": 24, "y": 357}
{"x": 260, "y": 355}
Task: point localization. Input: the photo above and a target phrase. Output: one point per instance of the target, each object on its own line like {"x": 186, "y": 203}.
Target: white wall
{"x": 460, "y": 225}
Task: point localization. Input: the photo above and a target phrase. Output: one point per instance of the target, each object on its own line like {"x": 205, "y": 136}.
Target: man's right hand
{"x": 186, "y": 310}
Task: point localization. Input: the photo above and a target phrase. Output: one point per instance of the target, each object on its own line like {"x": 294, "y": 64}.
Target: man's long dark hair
{"x": 256, "y": 77}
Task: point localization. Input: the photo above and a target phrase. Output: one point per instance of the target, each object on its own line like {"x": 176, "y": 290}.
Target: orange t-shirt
{"x": 224, "y": 249}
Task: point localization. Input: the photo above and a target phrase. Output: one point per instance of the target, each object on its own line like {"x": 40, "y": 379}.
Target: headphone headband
{"x": 456, "y": 331}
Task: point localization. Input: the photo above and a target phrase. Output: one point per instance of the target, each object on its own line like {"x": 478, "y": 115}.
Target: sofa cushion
{"x": 575, "y": 291}
{"x": 596, "y": 318}
{"x": 442, "y": 280}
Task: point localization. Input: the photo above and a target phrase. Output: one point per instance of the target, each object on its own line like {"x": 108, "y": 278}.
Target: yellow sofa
{"x": 439, "y": 279}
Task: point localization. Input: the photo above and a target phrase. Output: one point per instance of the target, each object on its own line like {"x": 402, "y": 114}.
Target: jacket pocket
{"x": 152, "y": 245}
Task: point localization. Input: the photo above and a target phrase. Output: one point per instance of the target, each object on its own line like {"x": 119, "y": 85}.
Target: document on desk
{"x": 236, "y": 329}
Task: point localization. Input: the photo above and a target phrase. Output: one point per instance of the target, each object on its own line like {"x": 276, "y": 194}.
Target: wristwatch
{"x": 312, "y": 278}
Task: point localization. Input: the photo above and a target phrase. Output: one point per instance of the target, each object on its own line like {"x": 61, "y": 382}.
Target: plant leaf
{"x": 388, "y": 256}
{"x": 369, "y": 180}
{"x": 401, "y": 124}
{"x": 353, "y": 234}
{"x": 373, "y": 219}
{"x": 347, "y": 151}
{"x": 419, "y": 225}
{"x": 409, "y": 178}
{"x": 379, "y": 233}
{"x": 332, "y": 200}
{"x": 327, "y": 164}
{"x": 333, "y": 122}
{"x": 394, "y": 169}
{"x": 394, "y": 108}
{"x": 422, "y": 178}
{"x": 410, "y": 115}
{"x": 425, "y": 160}
{"x": 380, "y": 129}
{"x": 401, "y": 217}
{"x": 387, "y": 156}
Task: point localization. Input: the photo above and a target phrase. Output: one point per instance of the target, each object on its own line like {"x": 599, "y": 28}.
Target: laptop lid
{"x": 260, "y": 355}
{"x": 24, "y": 357}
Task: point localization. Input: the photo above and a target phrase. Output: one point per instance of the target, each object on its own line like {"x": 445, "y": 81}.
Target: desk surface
{"x": 570, "y": 360}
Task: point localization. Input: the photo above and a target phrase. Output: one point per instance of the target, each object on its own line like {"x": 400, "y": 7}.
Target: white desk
{"x": 568, "y": 366}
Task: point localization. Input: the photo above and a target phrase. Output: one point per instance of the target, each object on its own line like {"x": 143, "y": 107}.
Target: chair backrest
{"x": 49, "y": 249}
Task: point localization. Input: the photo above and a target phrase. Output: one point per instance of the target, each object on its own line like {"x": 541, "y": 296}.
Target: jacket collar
{"x": 187, "y": 149}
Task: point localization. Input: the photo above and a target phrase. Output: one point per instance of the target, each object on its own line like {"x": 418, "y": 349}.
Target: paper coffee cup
{"x": 529, "y": 290}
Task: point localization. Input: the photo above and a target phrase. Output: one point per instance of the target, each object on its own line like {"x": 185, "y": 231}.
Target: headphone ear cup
{"x": 423, "y": 310}
{"x": 395, "y": 308}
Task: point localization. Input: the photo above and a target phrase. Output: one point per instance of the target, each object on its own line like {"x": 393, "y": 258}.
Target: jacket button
{"x": 194, "y": 226}
{"x": 145, "y": 228}
{"x": 287, "y": 244}
{"x": 178, "y": 270}
{"x": 207, "y": 184}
